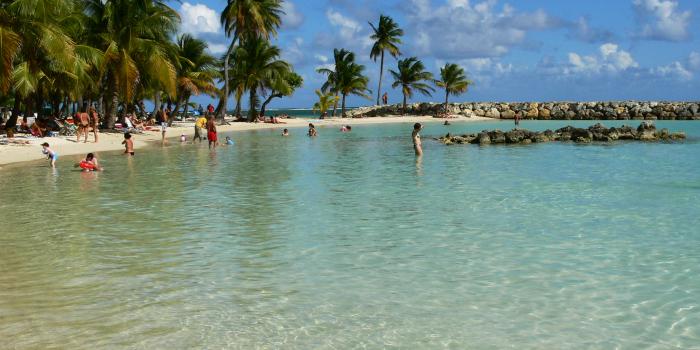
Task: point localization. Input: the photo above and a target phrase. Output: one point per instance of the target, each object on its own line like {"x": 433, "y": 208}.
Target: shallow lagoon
{"x": 347, "y": 241}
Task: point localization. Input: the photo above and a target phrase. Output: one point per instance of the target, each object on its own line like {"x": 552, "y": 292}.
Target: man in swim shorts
{"x": 211, "y": 132}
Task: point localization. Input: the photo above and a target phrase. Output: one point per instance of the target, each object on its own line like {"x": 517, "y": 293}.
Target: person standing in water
{"x": 199, "y": 126}
{"x": 163, "y": 123}
{"x": 128, "y": 144}
{"x": 49, "y": 153}
{"x": 285, "y": 132}
{"x": 416, "y": 139}
{"x": 211, "y": 132}
{"x": 312, "y": 130}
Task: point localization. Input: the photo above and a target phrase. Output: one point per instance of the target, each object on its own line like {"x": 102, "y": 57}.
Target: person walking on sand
{"x": 385, "y": 98}
{"x": 211, "y": 132}
{"x": 128, "y": 144}
{"x": 94, "y": 122}
{"x": 417, "y": 147}
{"x": 53, "y": 156}
{"x": 199, "y": 126}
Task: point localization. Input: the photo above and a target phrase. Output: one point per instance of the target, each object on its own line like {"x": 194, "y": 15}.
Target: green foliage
{"x": 412, "y": 76}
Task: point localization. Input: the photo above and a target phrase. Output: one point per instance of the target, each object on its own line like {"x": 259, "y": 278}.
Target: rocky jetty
{"x": 546, "y": 110}
{"x": 597, "y": 133}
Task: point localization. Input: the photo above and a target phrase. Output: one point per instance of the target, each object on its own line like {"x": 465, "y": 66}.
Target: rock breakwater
{"x": 597, "y": 133}
{"x": 546, "y": 110}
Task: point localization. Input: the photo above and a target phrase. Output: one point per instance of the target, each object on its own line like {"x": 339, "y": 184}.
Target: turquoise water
{"x": 346, "y": 241}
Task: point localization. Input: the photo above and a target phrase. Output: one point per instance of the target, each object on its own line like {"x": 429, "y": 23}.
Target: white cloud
{"x": 694, "y": 60}
{"x": 582, "y": 30}
{"x": 349, "y": 34}
{"x": 321, "y": 58}
{"x": 611, "y": 59}
{"x": 199, "y": 18}
{"x": 675, "y": 69}
{"x": 217, "y": 49}
{"x": 662, "y": 20}
{"x": 291, "y": 18}
{"x": 294, "y": 53}
{"x": 459, "y": 29}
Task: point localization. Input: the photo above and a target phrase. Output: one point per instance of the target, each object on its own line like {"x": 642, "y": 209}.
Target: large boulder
{"x": 507, "y": 114}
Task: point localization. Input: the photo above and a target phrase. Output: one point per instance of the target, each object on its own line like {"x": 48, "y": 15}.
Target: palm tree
{"x": 387, "y": 37}
{"x": 325, "y": 101}
{"x": 411, "y": 77}
{"x": 33, "y": 49}
{"x": 284, "y": 85}
{"x": 245, "y": 19}
{"x": 134, "y": 36}
{"x": 351, "y": 81}
{"x": 341, "y": 58}
{"x": 196, "y": 70}
{"x": 453, "y": 80}
{"x": 260, "y": 66}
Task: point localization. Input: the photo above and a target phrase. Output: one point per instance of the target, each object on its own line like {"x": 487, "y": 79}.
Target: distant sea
{"x": 298, "y": 112}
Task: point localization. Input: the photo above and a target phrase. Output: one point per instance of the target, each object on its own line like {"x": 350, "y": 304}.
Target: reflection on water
{"x": 349, "y": 240}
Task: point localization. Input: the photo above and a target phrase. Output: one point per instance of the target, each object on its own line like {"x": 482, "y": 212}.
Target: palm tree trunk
{"x": 175, "y": 112}
{"x": 187, "y": 105}
{"x": 238, "y": 107}
{"x": 381, "y": 73}
{"x": 335, "y": 104}
{"x": 112, "y": 118}
{"x": 156, "y": 102}
{"x": 251, "y": 109}
{"x": 226, "y": 82}
{"x": 403, "y": 111}
{"x": 342, "y": 114}
{"x": 267, "y": 101}
{"x": 447, "y": 96}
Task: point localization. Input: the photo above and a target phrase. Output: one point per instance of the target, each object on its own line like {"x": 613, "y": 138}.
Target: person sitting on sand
{"x": 312, "y": 130}
{"x": 53, "y": 156}
{"x": 285, "y": 132}
{"x": 90, "y": 163}
{"x": 417, "y": 147}
{"x": 128, "y": 144}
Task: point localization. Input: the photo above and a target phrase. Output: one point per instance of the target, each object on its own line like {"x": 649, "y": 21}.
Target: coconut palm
{"x": 453, "y": 80}
{"x": 325, "y": 101}
{"x": 284, "y": 85}
{"x": 260, "y": 66}
{"x": 134, "y": 36}
{"x": 352, "y": 81}
{"x": 387, "y": 37}
{"x": 196, "y": 70}
{"x": 411, "y": 76}
{"x": 243, "y": 19}
{"x": 33, "y": 49}
{"x": 341, "y": 58}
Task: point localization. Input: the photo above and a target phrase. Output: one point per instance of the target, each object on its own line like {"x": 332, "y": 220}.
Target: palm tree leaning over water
{"x": 387, "y": 37}
{"x": 453, "y": 80}
{"x": 411, "y": 76}
{"x": 246, "y": 19}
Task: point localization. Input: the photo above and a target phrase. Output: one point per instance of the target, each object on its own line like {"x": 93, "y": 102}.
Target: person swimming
{"x": 417, "y": 146}
{"x": 53, "y": 156}
{"x": 285, "y": 132}
{"x": 229, "y": 142}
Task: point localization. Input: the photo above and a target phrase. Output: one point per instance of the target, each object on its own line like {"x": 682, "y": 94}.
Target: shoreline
{"x": 66, "y": 146}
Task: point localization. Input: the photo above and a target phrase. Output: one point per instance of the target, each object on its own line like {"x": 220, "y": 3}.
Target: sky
{"x": 518, "y": 50}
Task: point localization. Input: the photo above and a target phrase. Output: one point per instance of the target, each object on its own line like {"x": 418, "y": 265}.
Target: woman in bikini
{"x": 417, "y": 146}
{"x": 94, "y": 122}
{"x": 83, "y": 125}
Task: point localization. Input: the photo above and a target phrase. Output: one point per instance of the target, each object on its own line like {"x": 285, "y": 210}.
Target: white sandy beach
{"x": 67, "y": 146}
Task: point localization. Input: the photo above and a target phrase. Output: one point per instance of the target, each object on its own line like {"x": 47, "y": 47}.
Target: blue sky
{"x": 516, "y": 50}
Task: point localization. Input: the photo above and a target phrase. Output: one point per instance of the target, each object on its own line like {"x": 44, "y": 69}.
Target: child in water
{"x": 90, "y": 163}
{"x": 285, "y": 132}
{"x": 229, "y": 142}
{"x": 128, "y": 144}
{"x": 49, "y": 153}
